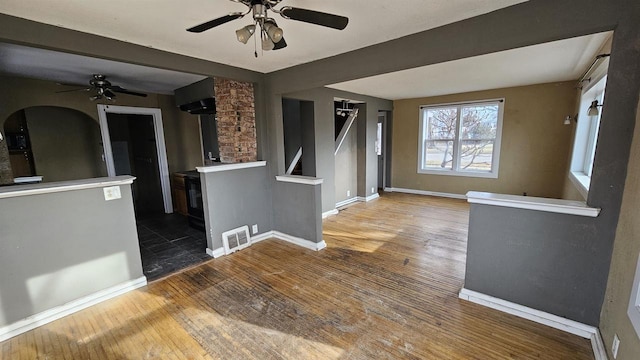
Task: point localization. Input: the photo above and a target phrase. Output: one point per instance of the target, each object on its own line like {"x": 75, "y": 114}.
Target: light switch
{"x": 112, "y": 193}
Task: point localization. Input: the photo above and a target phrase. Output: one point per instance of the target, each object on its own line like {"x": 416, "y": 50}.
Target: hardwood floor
{"x": 385, "y": 288}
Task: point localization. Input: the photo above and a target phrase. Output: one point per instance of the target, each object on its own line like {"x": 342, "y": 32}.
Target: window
{"x": 461, "y": 139}
{"x": 584, "y": 146}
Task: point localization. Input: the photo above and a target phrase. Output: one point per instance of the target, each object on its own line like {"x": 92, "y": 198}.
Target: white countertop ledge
{"x": 227, "y": 167}
{"x": 60, "y": 186}
{"x": 560, "y": 206}
{"x": 307, "y": 180}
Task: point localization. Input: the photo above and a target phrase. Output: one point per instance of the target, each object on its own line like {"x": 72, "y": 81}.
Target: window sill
{"x": 581, "y": 181}
{"x": 491, "y": 175}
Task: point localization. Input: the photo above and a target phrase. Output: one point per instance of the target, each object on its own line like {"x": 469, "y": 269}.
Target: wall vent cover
{"x": 236, "y": 239}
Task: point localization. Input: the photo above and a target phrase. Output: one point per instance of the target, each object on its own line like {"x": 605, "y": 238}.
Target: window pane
{"x": 438, "y": 154}
{"x": 476, "y": 155}
{"x": 479, "y": 121}
{"x": 440, "y": 123}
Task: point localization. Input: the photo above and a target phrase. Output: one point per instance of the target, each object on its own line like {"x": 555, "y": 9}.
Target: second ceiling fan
{"x": 271, "y": 35}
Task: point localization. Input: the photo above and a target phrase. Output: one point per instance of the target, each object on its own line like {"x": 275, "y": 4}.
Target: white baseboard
{"x": 428, "y": 193}
{"x": 368, "y": 198}
{"x": 69, "y": 308}
{"x": 326, "y": 214}
{"x": 308, "y": 244}
{"x": 260, "y": 237}
{"x": 541, "y": 317}
{"x": 215, "y": 253}
{"x": 300, "y": 241}
{"x": 346, "y": 202}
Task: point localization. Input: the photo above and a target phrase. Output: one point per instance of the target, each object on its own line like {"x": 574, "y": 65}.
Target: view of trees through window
{"x": 459, "y": 137}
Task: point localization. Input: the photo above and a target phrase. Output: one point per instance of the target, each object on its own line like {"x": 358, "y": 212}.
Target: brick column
{"x": 236, "y": 120}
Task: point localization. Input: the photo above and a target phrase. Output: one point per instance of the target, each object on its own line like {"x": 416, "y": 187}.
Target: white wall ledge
{"x": 226, "y": 167}
{"x": 560, "y": 206}
{"x": 60, "y": 186}
{"x": 307, "y": 180}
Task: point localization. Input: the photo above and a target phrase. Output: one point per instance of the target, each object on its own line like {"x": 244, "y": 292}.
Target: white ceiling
{"x": 549, "y": 62}
{"x": 75, "y": 69}
{"x": 161, "y": 24}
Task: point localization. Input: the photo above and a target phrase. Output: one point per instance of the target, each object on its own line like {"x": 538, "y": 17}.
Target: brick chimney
{"x": 236, "y": 120}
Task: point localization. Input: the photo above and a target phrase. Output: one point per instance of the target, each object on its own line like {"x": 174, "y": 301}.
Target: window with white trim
{"x": 586, "y": 137}
{"x": 461, "y": 139}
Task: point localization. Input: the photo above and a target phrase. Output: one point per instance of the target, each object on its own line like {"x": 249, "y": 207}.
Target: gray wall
{"x": 299, "y": 214}
{"x": 236, "y": 198}
{"x": 61, "y": 246}
{"x": 325, "y": 139}
{"x": 66, "y": 144}
{"x": 538, "y": 259}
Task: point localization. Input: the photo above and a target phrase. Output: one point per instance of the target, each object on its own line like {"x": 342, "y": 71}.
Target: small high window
{"x": 461, "y": 139}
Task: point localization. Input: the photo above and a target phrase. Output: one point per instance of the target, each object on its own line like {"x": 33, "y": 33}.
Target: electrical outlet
{"x": 373, "y": 189}
{"x": 615, "y": 346}
{"x": 254, "y": 229}
{"x": 348, "y": 192}
{"x": 112, "y": 193}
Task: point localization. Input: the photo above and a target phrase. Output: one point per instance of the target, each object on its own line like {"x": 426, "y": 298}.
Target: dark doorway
{"x": 133, "y": 144}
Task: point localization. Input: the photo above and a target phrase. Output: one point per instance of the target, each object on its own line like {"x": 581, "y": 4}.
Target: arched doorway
{"x": 56, "y": 143}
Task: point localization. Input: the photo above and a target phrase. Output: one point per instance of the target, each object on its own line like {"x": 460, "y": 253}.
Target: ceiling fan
{"x": 271, "y": 35}
{"x": 103, "y": 89}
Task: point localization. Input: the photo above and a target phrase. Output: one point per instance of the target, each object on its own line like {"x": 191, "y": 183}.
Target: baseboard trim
{"x": 262, "y": 236}
{"x": 346, "y": 202}
{"x": 368, "y": 198}
{"x": 215, "y": 253}
{"x": 69, "y": 308}
{"x": 316, "y": 246}
{"x": 307, "y": 244}
{"x": 573, "y": 327}
{"x": 425, "y": 192}
{"x": 326, "y": 214}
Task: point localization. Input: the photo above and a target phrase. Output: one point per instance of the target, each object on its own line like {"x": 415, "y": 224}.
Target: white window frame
{"x": 586, "y": 136}
{"x": 455, "y": 171}
{"x": 634, "y": 301}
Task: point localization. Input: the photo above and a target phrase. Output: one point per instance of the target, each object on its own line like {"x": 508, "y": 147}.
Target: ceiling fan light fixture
{"x": 245, "y": 33}
{"x": 273, "y": 31}
{"x": 267, "y": 44}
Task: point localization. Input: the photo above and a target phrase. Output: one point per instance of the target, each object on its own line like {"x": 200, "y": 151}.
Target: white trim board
{"x": 297, "y": 179}
{"x": 227, "y": 167}
{"x": 559, "y": 206}
{"x": 161, "y": 148}
{"x": 294, "y": 162}
{"x": 59, "y": 186}
{"x": 425, "y": 192}
{"x": 347, "y": 202}
{"x": 69, "y": 308}
{"x": 368, "y": 198}
{"x": 307, "y": 244}
{"x": 326, "y": 214}
{"x": 215, "y": 253}
{"x": 573, "y": 327}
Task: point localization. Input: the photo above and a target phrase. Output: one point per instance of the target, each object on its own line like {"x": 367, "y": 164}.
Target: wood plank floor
{"x": 385, "y": 288}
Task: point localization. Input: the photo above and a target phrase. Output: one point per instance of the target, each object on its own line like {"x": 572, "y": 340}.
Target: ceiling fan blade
{"x": 315, "y": 17}
{"x": 64, "y": 91}
{"x": 120, "y": 90}
{"x": 215, "y": 22}
{"x": 280, "y": 44}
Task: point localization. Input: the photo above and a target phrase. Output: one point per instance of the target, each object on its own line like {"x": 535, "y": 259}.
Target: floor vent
{"x": 236, "y": 239}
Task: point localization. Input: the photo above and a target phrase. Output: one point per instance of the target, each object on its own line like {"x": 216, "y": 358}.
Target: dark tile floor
{"x": 168, "y": 244}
